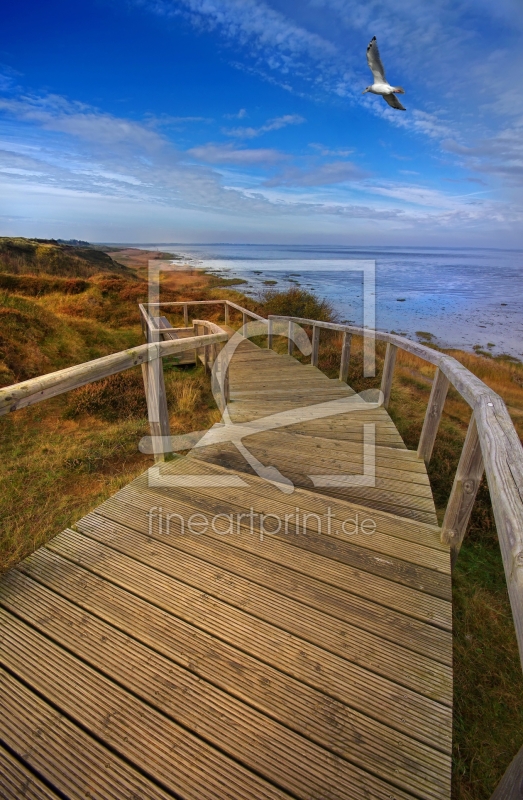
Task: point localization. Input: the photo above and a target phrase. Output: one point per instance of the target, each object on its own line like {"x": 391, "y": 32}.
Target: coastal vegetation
{"x": 65, "y": 303}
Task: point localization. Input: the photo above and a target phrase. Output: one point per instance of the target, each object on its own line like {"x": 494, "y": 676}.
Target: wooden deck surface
{"x": 144, "y": 661}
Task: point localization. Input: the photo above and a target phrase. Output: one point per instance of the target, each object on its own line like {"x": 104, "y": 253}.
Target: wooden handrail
{"x": 34, "y": 390}
{"x": 492, "y": 444}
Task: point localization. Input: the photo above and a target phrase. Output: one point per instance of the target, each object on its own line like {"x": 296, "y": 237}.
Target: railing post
{"x": 196, "y": 329}
{"x": 157, "y": 411}
{"x": 185, "y": 315}
{"x": 345, "y": 357}
{"x": 438, "y": 394}
{"x": 269, "y": 333}
{"x": 465, "y": 487}
{"x": 290, "y": 343}
{"x": 510, "y": 786}
{"x": 206, "y": 352}
{"x": 388, "y": 373}
{"x": 226, "y": 313}
{"x": 315, "y": 345}
{"x": 244, "y": 320}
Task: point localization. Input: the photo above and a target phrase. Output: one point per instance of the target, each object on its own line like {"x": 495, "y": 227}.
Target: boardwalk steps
{"x": 142, "y": 660}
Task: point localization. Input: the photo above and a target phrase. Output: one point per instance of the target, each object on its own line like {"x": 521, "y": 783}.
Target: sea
{"x": 463, "y": 297}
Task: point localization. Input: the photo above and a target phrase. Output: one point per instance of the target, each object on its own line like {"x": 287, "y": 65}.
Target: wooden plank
{"x": 390, "y": 530}
{"x": 416, "y": 715}
{"x": 171, "y": 755}
{"x": 398, "y": 462}
{"x": 316, "y": 454}
{"x": 17, "y": 781}
{"x": 438, "y": 394}
{"x": 201, "y": 571}
{"x": 399, "y": 502}
{"x": 321, "y": 631}
{"x": 409, "y": 500}
{"x": 73, "y": 762}
{"x": 301, "y": 708}
{"x": 464, "y": 489}
{"x": 315, "y": 556}
{"x": 260, "y": 743}
{"x": 289, "y": 574}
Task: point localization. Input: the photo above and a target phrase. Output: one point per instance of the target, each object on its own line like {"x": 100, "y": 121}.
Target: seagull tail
{"x": 398, "y": 90}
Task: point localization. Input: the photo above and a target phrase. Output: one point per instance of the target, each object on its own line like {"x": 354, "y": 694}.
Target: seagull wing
{"x": 393, "y": 101}
{"x": 374, "y": 62}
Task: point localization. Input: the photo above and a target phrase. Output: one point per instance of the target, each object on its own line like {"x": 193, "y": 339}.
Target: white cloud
{"x": 323, "y": 175}
{"x": 54, "y": 113}
{"x": 241, "y": 114}
{"x": 228, "y": 154}
{"x": 85, "y": 153}
{"x": 339, "y": 152}
{"x": 271, "y": 125}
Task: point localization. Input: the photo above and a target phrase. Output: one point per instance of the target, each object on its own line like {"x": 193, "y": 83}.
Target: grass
{"x": 61, "y": 458}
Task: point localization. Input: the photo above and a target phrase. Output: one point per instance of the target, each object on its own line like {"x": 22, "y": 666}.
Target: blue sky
{"x": 243, "y": 121}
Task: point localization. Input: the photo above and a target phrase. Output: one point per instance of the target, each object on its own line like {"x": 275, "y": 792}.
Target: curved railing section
{"x": 491, "y": 445}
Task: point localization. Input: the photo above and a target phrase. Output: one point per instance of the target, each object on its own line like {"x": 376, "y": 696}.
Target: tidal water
{"x": 462, "y": 296}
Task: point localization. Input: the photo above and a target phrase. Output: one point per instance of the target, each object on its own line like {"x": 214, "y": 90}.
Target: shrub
{"x": 297, "y": 302}
{"x": 118, "y": 397}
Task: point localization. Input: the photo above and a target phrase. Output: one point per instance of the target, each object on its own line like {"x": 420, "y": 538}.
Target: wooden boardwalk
{"x": 140, "y": 660}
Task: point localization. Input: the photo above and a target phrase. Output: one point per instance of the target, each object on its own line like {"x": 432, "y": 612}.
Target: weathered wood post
{"x": 185, "y": 315}
{"x": 345, "y": 357}
{"x": 315, "y": 345}
{"x": 244, "y": 321}
{"x": 438, "y": 394}
{"x": 157, "y": 411}
{"x": 465, "y": 487}
{"x": 269, "y": 333}
{"x": 290, "y": 343}
{"x": 510, "y": 786}
{"x": 226, "y": 313}
{"x": 388, "y": 373}
{"x": 196, "y": 329}
{"x": 206, "y": 352}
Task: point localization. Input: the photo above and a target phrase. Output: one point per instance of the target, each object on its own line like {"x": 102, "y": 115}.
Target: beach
{"x": 464, "y": 297}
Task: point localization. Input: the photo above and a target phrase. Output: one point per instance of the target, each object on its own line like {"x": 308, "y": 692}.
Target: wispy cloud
{"x": 55, "y": 113}
{"x": 271, "y": 125}
{"x": 86, "y": 153}
{"x": 241, "y": 114}
{"x": 338, "y": 152}
{"x": 323, "y": 175}
{"x": 228, "y": 154}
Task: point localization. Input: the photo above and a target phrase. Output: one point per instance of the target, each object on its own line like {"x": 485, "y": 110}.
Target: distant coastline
{"x": 466, "y": 298}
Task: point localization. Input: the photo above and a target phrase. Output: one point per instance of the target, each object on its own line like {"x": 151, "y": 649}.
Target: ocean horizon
{"x": 465, "y": 297}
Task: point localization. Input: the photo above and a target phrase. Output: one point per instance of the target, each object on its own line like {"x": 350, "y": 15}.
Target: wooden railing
{"x": 149, "y": 356}
{"x": 491, "y": 444}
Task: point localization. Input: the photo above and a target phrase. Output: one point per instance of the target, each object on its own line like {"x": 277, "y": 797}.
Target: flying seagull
{"x": 380, "y": 85}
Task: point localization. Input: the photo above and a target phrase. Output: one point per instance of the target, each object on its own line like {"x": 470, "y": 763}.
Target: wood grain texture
{"x": 345, "y": 356}
{"x": 464, "y": 489}
{"x": 388, "y": 373}
{"x": 511, "y": 785}
{"x": 438, "y": 394}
